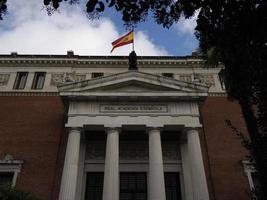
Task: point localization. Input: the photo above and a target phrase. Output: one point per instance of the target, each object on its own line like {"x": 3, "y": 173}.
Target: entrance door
{"x": 133, "y": 186}
{"x": 94, "y": 186}
{"x": 172, "y": 186}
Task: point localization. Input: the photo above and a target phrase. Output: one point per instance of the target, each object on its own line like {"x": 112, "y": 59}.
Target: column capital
{"x": 112, "y": 129}
{"x": 74, "y": 129}
{"x": 151, "y": 129}
{"x": 191, "y": 129}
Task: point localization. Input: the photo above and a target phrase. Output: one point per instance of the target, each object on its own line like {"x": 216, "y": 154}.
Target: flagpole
{"x": 133, "y": 39}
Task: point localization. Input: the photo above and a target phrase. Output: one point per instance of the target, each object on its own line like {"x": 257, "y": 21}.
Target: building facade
{"x": 87, "y": 127}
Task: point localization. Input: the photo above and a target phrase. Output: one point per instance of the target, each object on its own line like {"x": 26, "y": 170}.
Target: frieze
{"x": 133, "y": 150}
{"x": 4, "y": 79}
{"x": 59, "y": 78}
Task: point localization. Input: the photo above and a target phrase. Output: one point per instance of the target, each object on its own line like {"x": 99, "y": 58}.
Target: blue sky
{"x": 28, "y": 30}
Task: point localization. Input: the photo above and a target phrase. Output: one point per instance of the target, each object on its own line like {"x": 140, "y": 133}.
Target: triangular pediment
{"x": 132, "y": 83}
{"x": 133, "y": 86}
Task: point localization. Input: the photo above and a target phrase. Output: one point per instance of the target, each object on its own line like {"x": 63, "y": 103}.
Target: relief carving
{"x": 80, "y": 77}
{"x": 171, "y": 151}
{"x": 59, "y": 78}
{"x": 4, "y": 79}
{"x": 186, "y": 77}
{"x": 205, "y": 78}
{"x": 134, "y": 150}
{"x": 95, "y": 151}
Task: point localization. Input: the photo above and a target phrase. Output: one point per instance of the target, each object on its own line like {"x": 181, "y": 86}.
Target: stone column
{"x": 156, "y": 173}
{"x": 111, "y": 173}
{"x": 70, "y": 170}
{"x": 199, "y": 183}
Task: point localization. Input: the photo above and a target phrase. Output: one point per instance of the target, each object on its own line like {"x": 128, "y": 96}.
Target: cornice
{"x": 33, "y": 60}
{"x": 15, "y": 93}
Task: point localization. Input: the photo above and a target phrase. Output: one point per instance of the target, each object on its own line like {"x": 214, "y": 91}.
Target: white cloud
{"x": 28, "y": 30}
{"x": 187, "y": 26}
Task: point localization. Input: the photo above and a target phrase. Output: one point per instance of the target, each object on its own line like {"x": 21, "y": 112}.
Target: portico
{"x": 130, "y": 102}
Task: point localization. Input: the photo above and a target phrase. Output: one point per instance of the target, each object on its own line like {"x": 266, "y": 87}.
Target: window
{"x": 9, "y": 170}
{"x": 20, "y": 80}
{"x": 172, "y": 186}
{"x": 169, "y": 75}
{"x": 6, "y": 178}
{"x": 38, "y": 81}
{"x": 133, "y": 186}
{"x": 94, "y": 186}
{"x": 97, "y": 74}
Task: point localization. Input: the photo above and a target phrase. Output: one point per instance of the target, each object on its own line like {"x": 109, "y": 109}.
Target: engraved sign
{"x": 133, "y": 108}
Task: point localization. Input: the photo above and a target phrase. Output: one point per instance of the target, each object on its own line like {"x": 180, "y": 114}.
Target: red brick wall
{"x": 222, "y": 150}
{"x": 31, "y": 130}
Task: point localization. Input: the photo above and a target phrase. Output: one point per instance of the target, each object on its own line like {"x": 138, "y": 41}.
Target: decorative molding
{"x": 59, "y": 78}
{"x": 4, "y": 79}
{"x": 16, "y": 93}
{"x": 8, "y": 164}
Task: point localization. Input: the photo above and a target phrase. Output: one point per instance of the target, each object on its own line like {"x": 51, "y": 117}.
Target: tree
{"x": 236, "y": 31}
{"x": 3, "y": 8}
{"x": 9, "y": 193}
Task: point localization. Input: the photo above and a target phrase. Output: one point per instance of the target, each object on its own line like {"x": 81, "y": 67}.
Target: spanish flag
{"x": 126, "y": 39}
